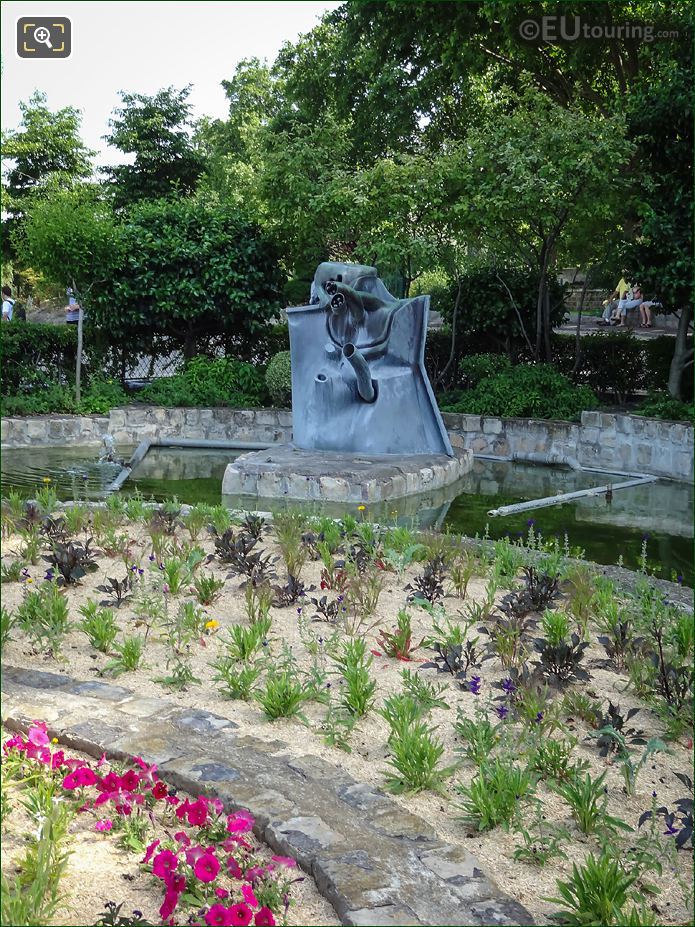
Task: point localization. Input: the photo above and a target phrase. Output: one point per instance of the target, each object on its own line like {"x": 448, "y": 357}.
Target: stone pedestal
{"x": 286, "y": 472}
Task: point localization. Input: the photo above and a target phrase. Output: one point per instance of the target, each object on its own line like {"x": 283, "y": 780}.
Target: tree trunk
{"x": 452, "y": 352}
{"x": 546, "y": 327}
{"x": 540, "y": 305}
{"x": 189, "y": 345}
{"x": 578, "y": 333}
{"x": 682, "y": 355}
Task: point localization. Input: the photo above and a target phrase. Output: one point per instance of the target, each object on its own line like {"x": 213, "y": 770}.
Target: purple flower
{"x": 299, "y": 610}
{"x": 161, "y": 566}
{"x": 151, "y": 558}
{"x": 48, "y": 575}
{"x": 531, "y": 522}
{"x": 165, "y": 588}
{"x": 25, "y": 572}
{"x": 508, "y": 686}
{"x": 502, "y": 711}
{"x": 474, "y": 685}
{"x": 538, "y": 718}
{"x": 671, "y": 830}
{"x": 141, "y": 572}
{"x": 133, "y": 569}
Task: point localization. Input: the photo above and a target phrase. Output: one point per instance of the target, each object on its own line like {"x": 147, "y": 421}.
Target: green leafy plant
{"x": 624, "y": 756}
{"x": 243, "y": 643}
{"x": 43, "y": 616}
{"x": 99, "y": 625}
{"x": 542, "y": 843}
{"x": 282, "y": 696}
{"x": 596, "y": 892}
{"x": 129, "y": 656}
{"x": 207, "y": 588}
{"x": 278, "y": 380}
{"x": 493, "y": 797}
{"x": 399, "y": 643}
{"x": 7, "y": 621}
{"x": 11, "y": 572}
{"x": 425, "y": 693}
{"x": 354, "y": 665}
{"x": 463, "y": 569}
{"x": 479, "y": 737}
{"x": 76, "y": 517}
{"x": 415, "y": 755}
{"x": 235, "y": 680}
{"x": 400, "y": 711}
{"x": 588, "y": 801}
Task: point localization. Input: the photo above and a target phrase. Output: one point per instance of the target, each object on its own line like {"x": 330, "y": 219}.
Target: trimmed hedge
{"x": 278, "y": 379}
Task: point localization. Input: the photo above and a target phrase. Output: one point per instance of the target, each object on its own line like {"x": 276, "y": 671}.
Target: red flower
{"x": 159, "y": 790}
{"x": 241, "y": 914}
{"x": 264, "y": 918}
{"x": 219, "y": 916}
{"x": 165, "y": 862}
{"x": 130, "y": 780}
{"x": 206, "y": 868}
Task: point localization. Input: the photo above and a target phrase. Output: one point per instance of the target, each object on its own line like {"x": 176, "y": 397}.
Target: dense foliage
{"x": 525, "y": 391}
{"x": 206, "y": 382}
{"x": 278, "y": 379}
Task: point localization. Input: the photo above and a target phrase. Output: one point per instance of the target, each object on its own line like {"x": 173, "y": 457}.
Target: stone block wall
{"x": 608, "y": 441}
{"x": 628, "y": 443}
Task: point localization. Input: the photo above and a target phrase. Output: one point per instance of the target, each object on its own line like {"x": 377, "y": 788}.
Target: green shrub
{"x": 525, "y": 391}
{"x": 35, "y": 355}
{"x": 278, "y": 379}
{"x": 477, "y": 367}
{"x": 97, "y": 398}
{"x": 661, "y": 405}
{"x": 203, "y": 381}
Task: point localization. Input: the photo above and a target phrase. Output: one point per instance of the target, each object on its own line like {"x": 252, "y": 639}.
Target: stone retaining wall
{"x": 608, "y": 441}
{"x": 131, "y": 424}
{"x": 629, "y": 443}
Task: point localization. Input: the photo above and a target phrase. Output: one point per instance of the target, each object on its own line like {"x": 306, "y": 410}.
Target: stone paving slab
{"x": 377, "y": 863}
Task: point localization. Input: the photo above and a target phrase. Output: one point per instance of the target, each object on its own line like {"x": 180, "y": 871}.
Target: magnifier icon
{"x": 43, "y": 36}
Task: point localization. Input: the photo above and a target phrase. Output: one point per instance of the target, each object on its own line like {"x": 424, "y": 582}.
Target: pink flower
{"x": 206, "y": 868}
{"x": 165, "y": 862}
{"x": 219, "y": 916}
{"x": 129, "y": 780}
{"x": 58, "y": 759}
{"x": 234, "y": 868}
{"x": 193, "y": 854}
{"x": 198, "y": 812}
{"x": 149, "y": 851}
{"x": 182, "y": 837}
{"x": 159, "y": 790}
{"x": 264, "y": 918}
{"x": 222, "y": 893}
{"x": 37, "y": 734}
{"x": 103, "y": 825}
{"x": 171, "y": 899}
{"x": 285, "y": 861}
{"x": 249, "y": 896}
{"x": 176, "y": 882}
{"x": 256, "y": 872}
{"x": 217, "y": 805}
{"x": 240, "y": 822}
{"x": 102, "y": 761}
{"x": 241, "y": 914}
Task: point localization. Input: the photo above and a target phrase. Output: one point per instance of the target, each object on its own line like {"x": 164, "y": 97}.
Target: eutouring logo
{"x": 572, "y": 28}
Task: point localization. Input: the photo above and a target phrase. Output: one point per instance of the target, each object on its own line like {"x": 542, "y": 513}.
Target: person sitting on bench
{"x": 632, "y": 300}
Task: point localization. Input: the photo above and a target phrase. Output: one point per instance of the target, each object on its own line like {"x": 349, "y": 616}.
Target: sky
{"x": 141, "y": 46}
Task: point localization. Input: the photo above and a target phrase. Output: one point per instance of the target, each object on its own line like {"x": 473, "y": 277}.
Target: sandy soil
{"x": 367, "y": 761}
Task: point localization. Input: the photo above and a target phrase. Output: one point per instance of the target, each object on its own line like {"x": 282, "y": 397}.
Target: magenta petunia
{"x": 206, "y": 868}
{"x": 37, "y": 735}
{"x": 234, "y": 868}
{"x": 222, "y": 893}
{"x": 285, "y": 861}
{"x": 248, "y": 895}
{"x": 241, "y": 914}
{"x": 219, "y": 916}
{"x": 149, "y": 852}
{"x": 198, "y": 812}
{"x": 164, "y": 863}
{"x": 240, "y": 822}
{"x": 103, "y": 825}
{"x": 264, "y": 918}
{"x": 171, "y": 899}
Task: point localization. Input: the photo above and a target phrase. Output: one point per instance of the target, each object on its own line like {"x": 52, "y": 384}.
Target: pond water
{"x": 660, "y": 511}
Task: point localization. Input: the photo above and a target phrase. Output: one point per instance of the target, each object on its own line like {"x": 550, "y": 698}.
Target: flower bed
{"x": 519, "y": 704}
{"x": 204, "y": 866}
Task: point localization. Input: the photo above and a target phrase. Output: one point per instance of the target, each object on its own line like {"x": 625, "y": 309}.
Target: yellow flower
{"x": 29, "y": 579}
{"x": 55, "y": 740}
{"x": 212, "y": 624}
{"x": 361, "y": 508}
{"x": 47, "y": 479}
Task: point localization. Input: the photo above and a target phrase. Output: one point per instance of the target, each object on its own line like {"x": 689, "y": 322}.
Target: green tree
{"x": 189, "y": 268}
{"x": 157, "y": 131}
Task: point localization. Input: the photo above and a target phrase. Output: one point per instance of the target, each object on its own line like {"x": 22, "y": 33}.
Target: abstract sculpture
{"x": 358, "y": 376}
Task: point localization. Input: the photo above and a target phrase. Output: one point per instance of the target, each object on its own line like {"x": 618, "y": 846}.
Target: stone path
{"x": 376, "y": 863}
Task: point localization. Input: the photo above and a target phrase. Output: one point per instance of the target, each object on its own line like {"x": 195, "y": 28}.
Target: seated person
{"x": 645, "y": 311}
{"x": 610, "y": 305}
{"x": 632, "y": 300}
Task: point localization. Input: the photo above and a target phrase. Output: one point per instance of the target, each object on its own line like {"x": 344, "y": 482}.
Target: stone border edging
{"x": 376, "y": 863}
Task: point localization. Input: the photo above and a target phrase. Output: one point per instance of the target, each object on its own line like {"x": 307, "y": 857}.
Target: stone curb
{"x": 376, "y": 863}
